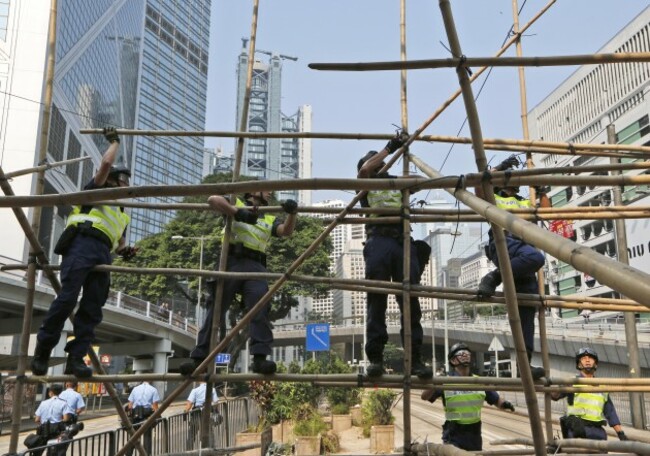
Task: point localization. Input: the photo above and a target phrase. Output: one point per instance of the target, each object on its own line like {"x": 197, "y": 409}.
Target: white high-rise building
{"x": 579, "y": 111}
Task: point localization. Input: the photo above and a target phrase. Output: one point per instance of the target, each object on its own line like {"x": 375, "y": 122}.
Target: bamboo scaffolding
{"x": 467, "y": 62}
{"x": 625, "y": 447}
{"x": 497, "y": 231}
{"x": 531, "y": 145}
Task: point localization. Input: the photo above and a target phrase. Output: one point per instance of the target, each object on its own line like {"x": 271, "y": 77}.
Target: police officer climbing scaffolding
{"x": 383, "y": 253}
{"x": 251, "y": 234}
{"x": 91, "y": 234}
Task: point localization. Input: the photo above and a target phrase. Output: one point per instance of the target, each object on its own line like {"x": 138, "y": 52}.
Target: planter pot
{"x": 264, "y": 438}
{"x": 355, "y": 412}
{"x": 283, "y": 432}
{"x": 341, "y": 422}
{"x": 308, "y": 446}
{"x": 382, "y": 438}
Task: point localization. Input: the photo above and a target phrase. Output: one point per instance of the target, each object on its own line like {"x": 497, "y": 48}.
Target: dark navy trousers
{"x": 84, "y": 253}
{"x": 464, "y": 436}
{"x": 384, "y": 257}
{"x": 261, "y": 334}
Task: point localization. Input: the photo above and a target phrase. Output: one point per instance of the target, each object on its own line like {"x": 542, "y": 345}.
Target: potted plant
{"x": 262, "y": 393}
{"x": 309, "y": 425}
{"x": 341, "y": 400}
{"x": 378, "y": 419}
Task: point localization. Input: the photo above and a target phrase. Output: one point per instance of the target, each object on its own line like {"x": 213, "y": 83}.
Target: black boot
{"x": 189, "y": 367}
{"x": 76, "y": 366}
{"x": 261, "y": 365}
{"x": 376, "y": 366}
{"x": 419, "y": 368}
{"x": 41, "y": 359}
{"x": 536, "y": 372}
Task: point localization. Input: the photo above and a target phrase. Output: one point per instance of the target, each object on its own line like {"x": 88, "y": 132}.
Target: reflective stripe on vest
{"x": 384, "y": 198}
{"x": 110, "y": 220}
{"x": 254, "y": 237}
{"x": 511, "y": 202}
{"x": 464, "y": 407}
{"x": 588, "y": 406}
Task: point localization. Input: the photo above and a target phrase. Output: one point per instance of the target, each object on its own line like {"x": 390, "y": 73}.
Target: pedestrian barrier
{"x": 175, "y": 433}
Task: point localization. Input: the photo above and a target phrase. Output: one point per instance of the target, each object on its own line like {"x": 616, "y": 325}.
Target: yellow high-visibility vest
{"x": 110, "y": 220}
{"x": 254, "y": 237}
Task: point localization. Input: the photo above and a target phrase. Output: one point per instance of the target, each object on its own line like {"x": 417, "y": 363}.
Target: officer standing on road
{"x": 251, "y": 233}
{"x": 51, "y": 416}
{"x": 74, "y": 400}
{"x": 196, "y": 399}
{"x": 462, "y": 427}
{"x": 91, "y": 234}
{"x": 383, "y": 253}
{"x": 587, "y": 413}
{"x": 143, "y": 402}
{"x": 525, "y": 259}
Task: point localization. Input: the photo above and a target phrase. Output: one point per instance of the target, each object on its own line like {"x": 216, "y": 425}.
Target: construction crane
{"x": 244, "y": 42}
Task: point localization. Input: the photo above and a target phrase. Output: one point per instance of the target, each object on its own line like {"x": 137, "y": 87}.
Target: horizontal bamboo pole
{"x": 622, "y": 278}
{"x": 216, "y": 451}
{"x": 492, "y": 143}
{"x": 45, "y": 167}
{"x": 377, "y": 286}
{"x": 466, "y": 62}
{"x": 445, "y": 182}
{"x": 605, "y": 445}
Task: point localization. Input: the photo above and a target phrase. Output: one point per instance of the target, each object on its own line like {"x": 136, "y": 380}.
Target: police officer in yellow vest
{"x": 525, "y": 259}
{"x": 251, "y": 233}
{"x": 588, "y": 412}
{"x": 462, "y": 426}
{"x": 383, "y": 253}
{"x": 91, "y": 234}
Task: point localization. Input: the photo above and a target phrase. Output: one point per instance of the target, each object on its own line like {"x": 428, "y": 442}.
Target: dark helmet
{"x": 56, "y": 388}
{"x": 585, "y": 352}
{"x": 120, "y": 173}
{"x": 455, "y": 349}
{"x": 365, "y": 158}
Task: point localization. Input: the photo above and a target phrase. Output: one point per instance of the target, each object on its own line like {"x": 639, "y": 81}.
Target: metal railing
{"x": 175, "y": 433}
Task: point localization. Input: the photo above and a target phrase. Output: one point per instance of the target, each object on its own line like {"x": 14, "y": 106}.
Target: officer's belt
{"x": 240, "y": 251}
{"x": 388, "y": 231}
{"x": 87, "y": 229}
{"x": 593, "y": 423}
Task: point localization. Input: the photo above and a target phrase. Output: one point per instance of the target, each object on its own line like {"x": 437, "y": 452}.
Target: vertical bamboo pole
{"x": 499, "y": 236}
{"x": 632, "y": 342}
{"x": 533, "y": 198}
{"x": 406, "y": 248}
{"x": 36, "y": 220}
{"x": 223, "y": 260}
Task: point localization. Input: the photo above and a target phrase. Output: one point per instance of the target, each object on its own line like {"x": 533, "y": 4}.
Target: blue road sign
{"x": 318, "y": 337}
{"x": 222, "y": 358}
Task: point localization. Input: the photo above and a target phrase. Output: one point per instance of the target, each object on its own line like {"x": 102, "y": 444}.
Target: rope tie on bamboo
{"x": 460, "y": 183}
{"x": 572, "y": 149}
{"x": 461, "y": 65}
{"x": 404, "y": 213}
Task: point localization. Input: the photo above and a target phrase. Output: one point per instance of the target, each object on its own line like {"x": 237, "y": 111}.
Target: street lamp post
{"x": 201, "y": 239}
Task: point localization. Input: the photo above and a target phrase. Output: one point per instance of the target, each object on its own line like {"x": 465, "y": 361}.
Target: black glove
{"x": 246, "y": 216}
{"x": 127, "y": 252}
{"x": 507, "y": 405}
{"x": 397, "y": 142}
{"x": 510, "y": 162}
{"x": 489, "y": 284}
{"x": 290, "y": 206}
{"x": 621, "y": 436}
{"x": 111, "y": 135}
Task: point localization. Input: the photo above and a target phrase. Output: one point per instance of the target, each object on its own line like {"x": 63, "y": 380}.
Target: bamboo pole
{"x": 444, "y": 182}
{"x": 530, "y": 145}
{"x": 604, "y": 445}
{"x": 541, "y": 317}
{"x": 467, "y": 62}
{"x": 497, "y": 231}
{"x": 406, "y": 244}
{"x": 44, "y": 167}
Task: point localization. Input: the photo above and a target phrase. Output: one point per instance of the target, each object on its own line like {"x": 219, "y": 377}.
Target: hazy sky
{"x": 368, "y": 102}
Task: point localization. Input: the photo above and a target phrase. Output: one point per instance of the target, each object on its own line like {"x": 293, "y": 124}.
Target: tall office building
{"x": 129, "y": 63}
{"x": 273, "y": 158}
{"x": 579, "y": 111}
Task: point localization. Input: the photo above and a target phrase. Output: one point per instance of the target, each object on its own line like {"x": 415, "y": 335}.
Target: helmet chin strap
{"x": 589, "y": 370}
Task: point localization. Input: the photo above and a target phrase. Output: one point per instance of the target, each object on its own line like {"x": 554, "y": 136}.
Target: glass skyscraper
{"x": 133, "y": 64}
